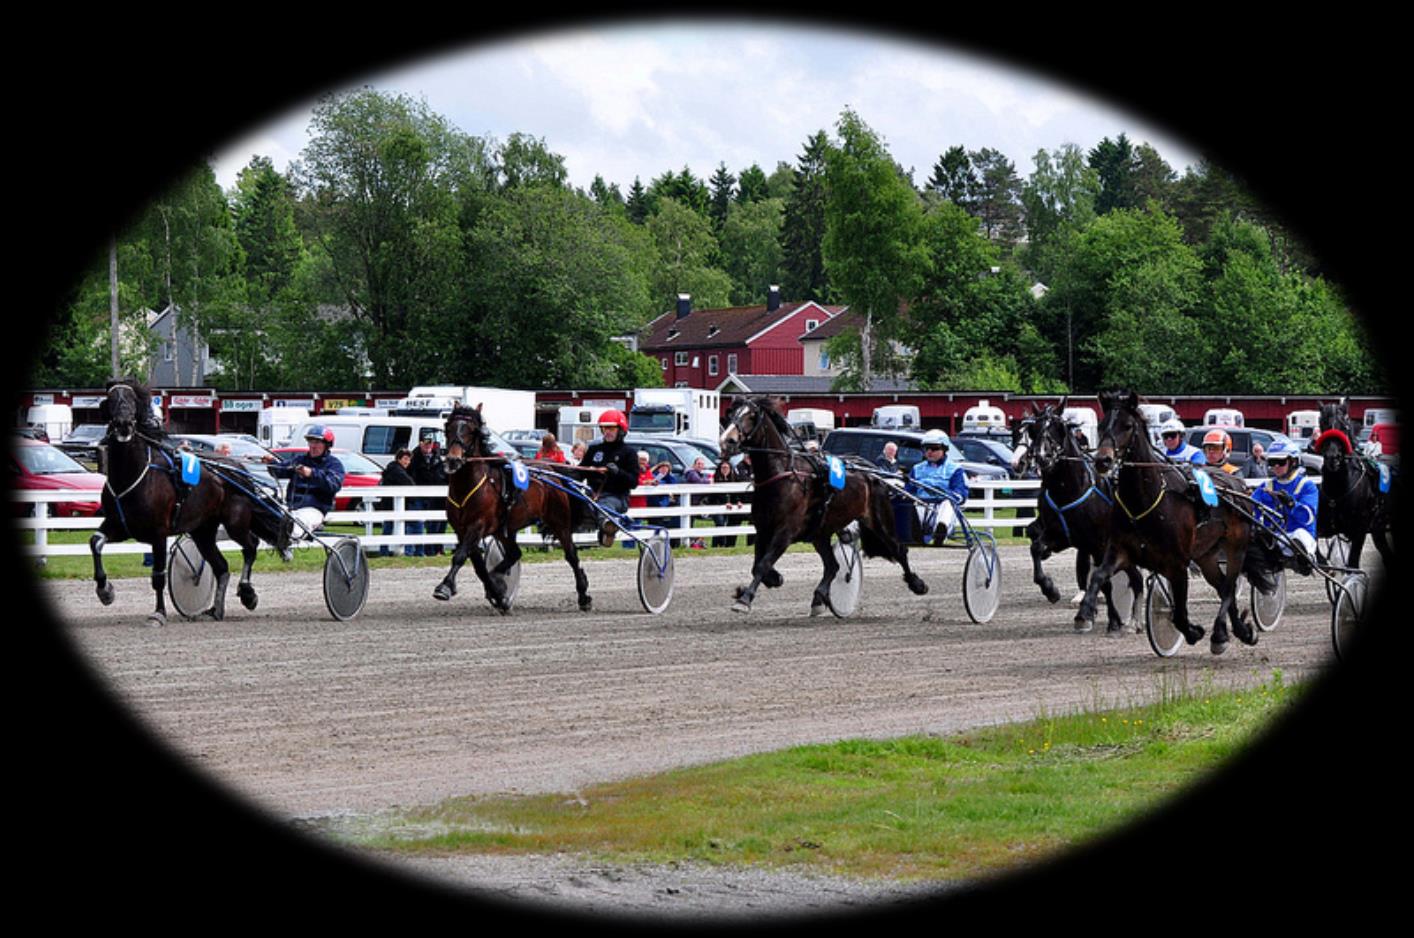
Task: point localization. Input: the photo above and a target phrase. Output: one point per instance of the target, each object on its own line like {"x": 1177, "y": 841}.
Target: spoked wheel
{"x": 655, "y": 572}
{"x": 345, "y": 579}
{"x": 1164, "y": 636}
{"x": 848, "y": 584}
{"x": 982, "y": 582}
{"x": 190, "y": 582}
{"x": 511, "y": 579}
{"x": 1349, "y": 611}
{"x": 1268, "y": 607}
{"x": 1334, "y": 552}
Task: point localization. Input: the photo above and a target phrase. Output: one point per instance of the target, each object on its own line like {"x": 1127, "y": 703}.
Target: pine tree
{"x": 803, "y": 271}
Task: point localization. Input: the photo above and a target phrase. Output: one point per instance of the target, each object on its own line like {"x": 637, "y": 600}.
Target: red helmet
{"x": 614, "y": 418}
{"x": 1218, "y": 438}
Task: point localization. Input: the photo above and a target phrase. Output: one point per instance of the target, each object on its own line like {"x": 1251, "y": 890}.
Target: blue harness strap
{"x": 1094, "y": 489}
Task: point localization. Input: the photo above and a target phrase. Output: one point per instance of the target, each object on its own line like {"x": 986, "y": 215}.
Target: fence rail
{"x": 989, "y": 499}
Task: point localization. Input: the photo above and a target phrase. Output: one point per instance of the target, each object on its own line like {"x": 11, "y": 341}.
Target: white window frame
{"x": 732, "y": 363}
{"x": 824, "y": 359}
{"x": 712, "y": 364}
{"x": 810, "y": 324}
{"x": 680, "y": 359}
{"x": 665, "y": 364}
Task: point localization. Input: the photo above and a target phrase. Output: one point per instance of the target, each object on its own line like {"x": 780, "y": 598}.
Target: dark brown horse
{"x": 482, "y": 501}
{"x": 143, "y": 501}
{"x": 1073, "y": 508}
{"x": 1159, "y": 526}
{"x": 792, "y": 502}
{"x": 1352, "y": 504}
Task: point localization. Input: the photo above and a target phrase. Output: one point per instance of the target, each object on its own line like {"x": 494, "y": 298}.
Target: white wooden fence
{"x": 988, "y": 499}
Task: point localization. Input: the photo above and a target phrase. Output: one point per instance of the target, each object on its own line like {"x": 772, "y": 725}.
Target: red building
{"x": 700, "y": 348}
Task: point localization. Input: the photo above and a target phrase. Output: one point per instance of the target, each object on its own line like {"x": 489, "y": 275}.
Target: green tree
{"x": 781, "y": 182}
{"x": 636, "y": 205}
{"x": 752, "y": 186}
{"x": 998, "y": 199}
{"x": 1114, "y": 165}
{"x": 524, "y": 160}
{"x": 803, "y": 227}
{"x": 750, "y": 247}
{"x": 722, "y": 185}
{"x": 685, "y": 246}
{"x": 874, "y": 250}
{"x": 954, "y": 179}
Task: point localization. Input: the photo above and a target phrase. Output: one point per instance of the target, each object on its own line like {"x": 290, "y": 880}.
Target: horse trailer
{"x": 1223, "y": 417}
{"x": 1302, "y": 424}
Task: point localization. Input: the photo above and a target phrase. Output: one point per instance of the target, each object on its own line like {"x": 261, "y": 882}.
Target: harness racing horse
{"x": 1159, "y": 527}
{"x": 1074, "y": 506}
{"x": 482, "y": 501}
{"x": 143, "y": 501}
{"x": 793, "y": 503}
{"x": 1351, "y": 501}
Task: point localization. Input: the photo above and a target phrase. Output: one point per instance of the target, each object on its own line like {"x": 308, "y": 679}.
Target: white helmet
{"x": 1171, "y": 425}
{"x": 935, "y": 438}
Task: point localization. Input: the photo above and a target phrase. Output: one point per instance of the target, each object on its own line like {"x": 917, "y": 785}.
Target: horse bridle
{"x": 744, "y": 438}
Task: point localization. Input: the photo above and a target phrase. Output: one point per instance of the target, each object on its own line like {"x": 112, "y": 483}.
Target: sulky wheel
{"x": 655, "y": 572}
{"x": 345, "y": 579}
{"x": 511, "y": 579}
{"x": 982, "y": 582}
{"x": 1268, "y": 607}
{"x": 1164, "y": 636}
{"x": 1348, "y": 613}
{"x": 848, "y": 584}
{"x": 190, "y": 581}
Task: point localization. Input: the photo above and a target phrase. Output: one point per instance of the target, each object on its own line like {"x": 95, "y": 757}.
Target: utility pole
{"x": 113, "y": 302}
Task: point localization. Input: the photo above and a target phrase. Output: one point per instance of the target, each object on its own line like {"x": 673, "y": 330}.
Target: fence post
{"x": 41, "y": 533}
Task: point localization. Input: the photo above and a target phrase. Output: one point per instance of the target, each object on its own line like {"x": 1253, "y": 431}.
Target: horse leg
{"x": 1177, "y": 575}
{"x": 158, "y": 616}
{"x": 96, "y": 543}
{"x": 767, "y": 553}
{"x": 495, "y": 592}
{"x": 1099, "y": 577}
{"x": 821, "y": 599}
{"x": 205, "y": 540}
{"x": 1381, "y": 538}
{"x": 1227, "y": 600}
{"x": 1039, "y": 552}
{"x": 1357, "y": 545}
{"x": 448, "y": 587}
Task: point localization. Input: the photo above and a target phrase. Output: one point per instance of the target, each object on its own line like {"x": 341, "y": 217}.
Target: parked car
{"x": 38, "y": 466}
{"x": 248, "y": 454}
{"x": 82, "y": 442}
{"x": 868, "y": 443}
{"x": 985, "y": 449}
{"x": 359, "y": 471}
{"x": 33, "y": 433}
{"x": 1244, "y": 437}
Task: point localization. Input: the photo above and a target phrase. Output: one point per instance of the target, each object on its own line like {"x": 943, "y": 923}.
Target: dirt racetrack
{"x": 418, "y": 700}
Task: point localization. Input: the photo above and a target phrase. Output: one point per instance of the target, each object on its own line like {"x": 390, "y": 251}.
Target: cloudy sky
{"x": 628, "y": 102}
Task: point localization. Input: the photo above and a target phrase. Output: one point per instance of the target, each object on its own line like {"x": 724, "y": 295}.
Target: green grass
{"x": 920, "y": 807}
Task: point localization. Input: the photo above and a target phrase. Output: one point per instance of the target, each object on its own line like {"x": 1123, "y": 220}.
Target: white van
{"x": 1223, "y": 417}
{"x": 1087, "y": 420}
{"x": 377, "y": 437}
{"x": 580, "y": 424}
{"x": 276, "y": 426}
{"x": 814, "y": 422}
{"x": 897, "y": 417}
{"x": 983, "y": 418}
{"x": 1378, "y": 415}
{"x": 1302, "y": 424}
{"x": 56, "y": 420}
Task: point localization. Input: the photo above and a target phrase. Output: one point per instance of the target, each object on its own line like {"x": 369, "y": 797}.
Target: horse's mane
{"x": 1128, "y": 402}
{"x": 767, "y": 406}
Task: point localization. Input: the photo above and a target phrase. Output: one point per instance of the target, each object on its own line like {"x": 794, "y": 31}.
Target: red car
{"x": 42, "y": 467}
{"x": 359, "y": 471}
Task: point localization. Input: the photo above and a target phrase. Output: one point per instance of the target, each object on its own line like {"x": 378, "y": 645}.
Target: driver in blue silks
{"x": 1294, "y": 498}
{"x": 939, "y": 474}
{"x": 1176, "y": 447}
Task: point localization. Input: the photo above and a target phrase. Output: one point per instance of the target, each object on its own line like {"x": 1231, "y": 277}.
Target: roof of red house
{"x": 833, "y": 326}
{"x": 719, "y": 327}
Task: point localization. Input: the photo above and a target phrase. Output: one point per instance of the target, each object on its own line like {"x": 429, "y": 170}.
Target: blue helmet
{"x": 321, "y": 433}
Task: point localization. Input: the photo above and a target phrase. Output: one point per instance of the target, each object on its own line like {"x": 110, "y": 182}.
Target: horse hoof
{"x": 1219, "y": 647}
{"x": 916, "y": 584}
{"x": 106, "y": 594}
{"x": 773, "y": 579}
{"x": 1195, "y": 636}
{"x": 1084, "y": 625}
{"x": 248, "y": 598}
{"x": 156, "y": 620}
{"x": 585, "y": 604}
{"x": 442, "y": 593}
{"x": 1115, "y": 628}
{"x": 1051, "y": 593}
{"x": 817, "y": 609}
{"x": 740, "y": 606}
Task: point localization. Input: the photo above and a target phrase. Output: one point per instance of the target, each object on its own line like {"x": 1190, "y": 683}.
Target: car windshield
{"x": 88, "y": 431}
{"x": 46, "y": 460}
{"x": 358, "y": 463}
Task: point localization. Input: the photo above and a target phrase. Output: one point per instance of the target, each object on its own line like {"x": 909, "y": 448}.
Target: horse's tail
{"x": 876, "y": 527}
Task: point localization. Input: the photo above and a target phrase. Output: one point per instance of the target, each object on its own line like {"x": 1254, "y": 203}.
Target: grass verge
{"x": 917, "y": 808}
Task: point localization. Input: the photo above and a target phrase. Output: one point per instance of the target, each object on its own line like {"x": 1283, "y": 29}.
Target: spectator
{"x": 396, "y": 473}
{"x": 577, "y": 452}
{"x": 889, "y": 460}
{"x": 744, "y": 473}
{"x": 550, "y": 450}
{"x": 724, "y": 474}
{"x": 1257, "y": 465}
{"x": 698, "y": 475}
{"x": 645, "y": 477}
{"x": 428, "y": 468}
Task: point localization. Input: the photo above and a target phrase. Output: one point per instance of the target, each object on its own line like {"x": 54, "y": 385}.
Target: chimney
{"x": 773, "y": 298}
{"x": 684, "y": 305}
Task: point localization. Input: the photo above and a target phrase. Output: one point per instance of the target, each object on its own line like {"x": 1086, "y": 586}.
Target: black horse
{"x": 144, "y": 500}
{"x": 1351, "y": 503}
{"x": 482, "y": 501}
{"x": 1073, "y": 508}
{"x": 1158, "y": 525}
{"x": 793, "y": 502}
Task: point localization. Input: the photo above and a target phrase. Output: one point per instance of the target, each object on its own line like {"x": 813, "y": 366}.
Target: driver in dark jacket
{"x": 620, "y": 464}
{"x": 315, "y": 478}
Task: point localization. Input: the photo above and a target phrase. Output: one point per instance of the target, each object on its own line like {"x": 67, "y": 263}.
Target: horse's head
{"x": 1032, "y": 439}
{"x": 125, "y": 409}
{"x": 745, "y": 421}
{"x": 1121, "y": 428}
{"x": 1334, "y": 446}
{"x": 466, "y": 436}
